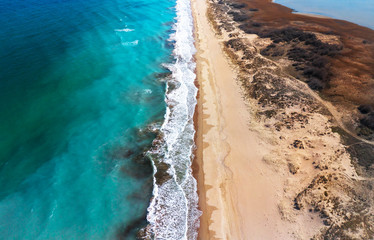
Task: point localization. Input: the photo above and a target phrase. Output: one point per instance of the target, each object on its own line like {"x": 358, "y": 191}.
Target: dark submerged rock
{"x": 162, "y": 175}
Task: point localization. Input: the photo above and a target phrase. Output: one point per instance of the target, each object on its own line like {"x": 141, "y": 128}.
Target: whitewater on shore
{"x": 173, "y": 212}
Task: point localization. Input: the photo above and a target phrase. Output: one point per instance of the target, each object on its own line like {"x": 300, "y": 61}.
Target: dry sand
{"x": 238, "y": 192}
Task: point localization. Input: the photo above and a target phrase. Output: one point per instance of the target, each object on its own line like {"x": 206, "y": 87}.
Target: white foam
{"x": 124, "y": 30}
{"x": 173, "y": 212}
{"x": 133, "y": 43}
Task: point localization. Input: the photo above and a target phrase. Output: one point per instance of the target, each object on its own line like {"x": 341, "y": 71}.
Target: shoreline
{"x": 258, "y": 166}
{"x": 320, "y": 12}
{"x": 312, "y": 15}
{"x": 294, "y": 11}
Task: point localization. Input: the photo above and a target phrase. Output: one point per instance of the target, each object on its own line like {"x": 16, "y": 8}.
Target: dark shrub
{"x": 248, "y": 28}
{"x": 306, "y": 37}
{"x": 238, "y": 5}
{"x": 267, "y": 51}
{"x": 368, "y": 121}
{"x": 235, "y": 44}
{"x": 319, "y": 62}
{"x": 298, "y": 54}
{"x": 277, "y": 53}
{"x": 238, "y": 17}
{"x": 306, "y": 50}
{"x": 283, "y": 35}
{"x": 364, "y": 109}
{"x": 316, "y": 84}
{"x": 315, "y": 72}
{"x": 313, "y": 41}
{"x": 255, "y": 24}
{"x": 327, "y": 49}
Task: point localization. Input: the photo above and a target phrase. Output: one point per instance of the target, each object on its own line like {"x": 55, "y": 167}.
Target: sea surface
{"x": 96, "y": 131}
{"x": 357, "y": 11}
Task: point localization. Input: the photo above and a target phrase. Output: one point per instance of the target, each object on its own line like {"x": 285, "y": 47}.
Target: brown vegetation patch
{"x": 328, "y": 55}
{"x": 321, "y": 48}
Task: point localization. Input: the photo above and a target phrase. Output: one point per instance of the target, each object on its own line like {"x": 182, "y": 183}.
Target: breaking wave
{"x": 173, "y": 212}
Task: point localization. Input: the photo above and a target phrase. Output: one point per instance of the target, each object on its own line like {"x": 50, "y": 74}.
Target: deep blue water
{"x": 79, "y": 84}
{"x": 357, "y": 11}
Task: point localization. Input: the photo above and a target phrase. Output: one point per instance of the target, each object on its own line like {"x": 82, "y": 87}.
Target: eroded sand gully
{"x": 269, "y": 165}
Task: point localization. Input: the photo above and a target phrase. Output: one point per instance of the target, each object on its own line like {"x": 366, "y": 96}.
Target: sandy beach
{"x": 240, "y": 192}
{"x": 260, "y": 159}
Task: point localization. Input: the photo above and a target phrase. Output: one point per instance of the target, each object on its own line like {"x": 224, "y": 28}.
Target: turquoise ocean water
{"x": 357, "y": 11}
{"x": 82, "y": 87}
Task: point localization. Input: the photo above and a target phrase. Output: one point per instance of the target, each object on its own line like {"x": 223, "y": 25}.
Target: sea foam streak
{"x": 124, "y": 30}
{"x": 173, "y": 212}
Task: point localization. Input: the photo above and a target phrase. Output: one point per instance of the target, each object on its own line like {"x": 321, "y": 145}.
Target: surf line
{"x": 173, "y": 212}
